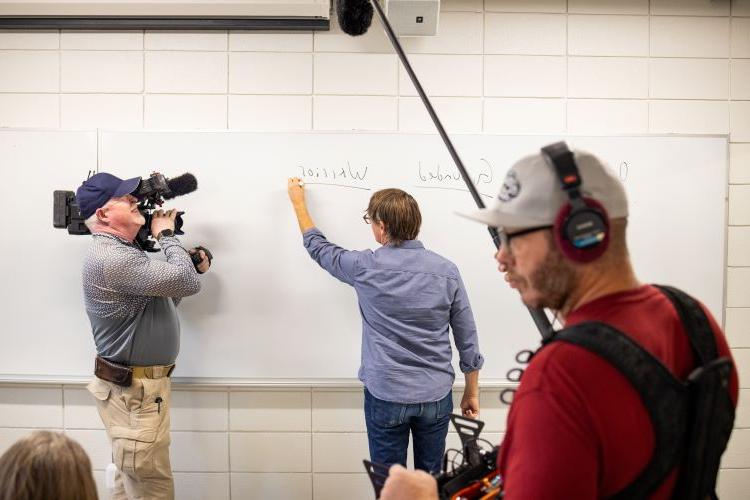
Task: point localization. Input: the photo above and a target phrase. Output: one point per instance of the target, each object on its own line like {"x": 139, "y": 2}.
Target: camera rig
{"x": 473, "y": 477}
{"x": 151, "y": 193}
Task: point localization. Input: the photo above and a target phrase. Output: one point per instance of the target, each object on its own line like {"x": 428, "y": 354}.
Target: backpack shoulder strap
{"x": 695, "y": 322}
{"x": 661, "y": 393}
{"x": 711, "y": 410}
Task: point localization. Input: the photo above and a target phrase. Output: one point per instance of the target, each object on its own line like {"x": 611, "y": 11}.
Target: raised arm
{"x": 132, "y": 271}
{"x": 339, "y": 262}
{"x": 296, "y": 190}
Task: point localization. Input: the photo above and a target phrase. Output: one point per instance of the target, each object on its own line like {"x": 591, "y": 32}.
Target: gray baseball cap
{"x": 531, "y": 195}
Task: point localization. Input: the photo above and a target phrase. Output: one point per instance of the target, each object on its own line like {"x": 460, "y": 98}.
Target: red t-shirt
{"x": 577, "y": 428}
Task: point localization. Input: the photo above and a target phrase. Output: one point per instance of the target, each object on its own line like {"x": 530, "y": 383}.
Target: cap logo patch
{"x": 511, "y": 187}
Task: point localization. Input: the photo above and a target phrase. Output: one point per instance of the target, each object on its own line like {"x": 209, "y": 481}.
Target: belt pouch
{"x": 112, "y": 372}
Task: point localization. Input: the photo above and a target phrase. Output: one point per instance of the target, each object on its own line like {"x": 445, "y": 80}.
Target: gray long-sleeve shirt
{"x": 131, "y": 299}
{"x": 408, "y": 299}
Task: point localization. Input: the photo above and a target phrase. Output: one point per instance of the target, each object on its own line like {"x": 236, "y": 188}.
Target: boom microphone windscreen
{"x": 355, "y": 16}
{"x": 182, "y": 184}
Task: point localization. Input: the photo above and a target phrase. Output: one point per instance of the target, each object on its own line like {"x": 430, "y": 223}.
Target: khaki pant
{"x": 138, "y": 428}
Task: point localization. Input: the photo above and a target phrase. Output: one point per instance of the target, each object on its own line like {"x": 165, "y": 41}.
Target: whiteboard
{"x": 266, "y": 310}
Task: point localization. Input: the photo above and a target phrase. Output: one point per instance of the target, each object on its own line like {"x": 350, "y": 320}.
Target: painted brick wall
{"x": 577, "y": 66}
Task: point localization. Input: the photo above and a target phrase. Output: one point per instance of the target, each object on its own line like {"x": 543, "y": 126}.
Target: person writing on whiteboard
{"x": 131, "y": 303}
{"x": 409, "y": 297}
{"x": 577, "y": 427}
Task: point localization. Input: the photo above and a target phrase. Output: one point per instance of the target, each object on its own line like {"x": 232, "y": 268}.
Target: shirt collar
{"x": 115, "y": 237}
{"x": 409, "y": 244}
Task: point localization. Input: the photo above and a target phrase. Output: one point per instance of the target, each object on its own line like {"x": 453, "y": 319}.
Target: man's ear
{"x": 383, "y": 229}
{"x": 101, "y": 216}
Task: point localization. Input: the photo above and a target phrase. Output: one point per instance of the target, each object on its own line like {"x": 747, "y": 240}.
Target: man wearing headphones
{"x": 577, "y": 428}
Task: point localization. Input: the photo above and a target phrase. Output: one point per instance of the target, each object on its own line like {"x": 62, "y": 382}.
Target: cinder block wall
{"x": 517, "y": 66}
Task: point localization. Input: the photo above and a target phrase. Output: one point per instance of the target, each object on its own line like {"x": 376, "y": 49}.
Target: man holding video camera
{"x": 131, "y": 302}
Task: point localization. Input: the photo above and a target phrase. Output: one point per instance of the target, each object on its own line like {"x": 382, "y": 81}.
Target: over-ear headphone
{"x": 582, "y": 226}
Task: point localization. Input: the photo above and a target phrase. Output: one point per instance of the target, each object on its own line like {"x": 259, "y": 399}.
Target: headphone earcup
{"x": 568, "y": 220}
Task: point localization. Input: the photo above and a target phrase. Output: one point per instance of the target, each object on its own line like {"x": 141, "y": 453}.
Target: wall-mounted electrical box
{"x": 414, "y": 17}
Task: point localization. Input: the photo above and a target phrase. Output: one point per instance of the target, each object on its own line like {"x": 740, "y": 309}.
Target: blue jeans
{"x": 388, "y": 426}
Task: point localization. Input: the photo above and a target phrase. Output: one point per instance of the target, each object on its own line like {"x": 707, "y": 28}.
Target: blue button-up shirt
{"x": 408, "y": 298}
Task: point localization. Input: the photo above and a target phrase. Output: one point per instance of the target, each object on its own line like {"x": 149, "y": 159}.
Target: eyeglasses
{"x": 506, "y": 237}
{"x": 366, "y": 218}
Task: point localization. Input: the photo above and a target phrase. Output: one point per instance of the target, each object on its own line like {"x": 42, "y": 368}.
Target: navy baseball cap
{"x": 97, "y": 190}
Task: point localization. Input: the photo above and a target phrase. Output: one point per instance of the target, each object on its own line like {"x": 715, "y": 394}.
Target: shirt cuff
{"x": 476, "y": 364}
{"x": 168, "y": 241}
{"x": 311, "y": 233}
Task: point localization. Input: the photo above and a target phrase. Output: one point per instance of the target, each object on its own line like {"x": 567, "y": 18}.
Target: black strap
{"x": 378, "y": 475}
{"x": 695, "y": 322}
{"x": 666, "y": 398}
{"x": 662, "y": 394}
{"x": 711, "y": 411}
{"x": 564, "y": 164}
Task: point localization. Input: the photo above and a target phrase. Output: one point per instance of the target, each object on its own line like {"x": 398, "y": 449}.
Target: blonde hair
{"x": 399, "y": 211}
{"x": 46, "y": 465}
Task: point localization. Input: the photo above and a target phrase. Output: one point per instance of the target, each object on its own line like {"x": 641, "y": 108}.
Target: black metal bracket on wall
{"x": 165, "y": 23}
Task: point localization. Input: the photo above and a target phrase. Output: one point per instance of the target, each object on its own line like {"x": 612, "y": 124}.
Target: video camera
{"x": 473, "y": 476}
{"x": 151, "y": 193}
